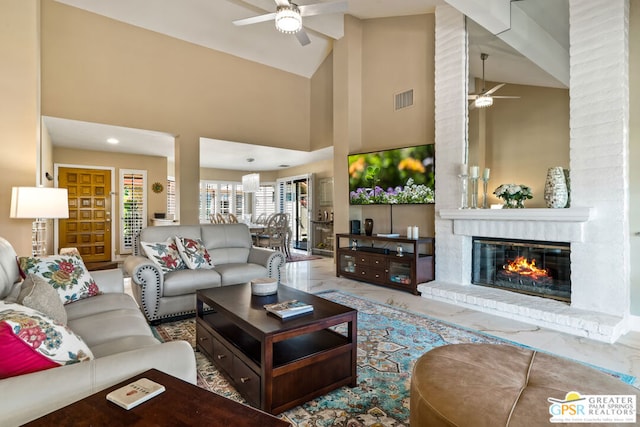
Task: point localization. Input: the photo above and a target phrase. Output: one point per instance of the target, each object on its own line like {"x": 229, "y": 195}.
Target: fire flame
{"x": 523, "y": 267}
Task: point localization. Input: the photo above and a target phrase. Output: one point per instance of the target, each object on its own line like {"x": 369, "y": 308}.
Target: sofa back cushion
{"x": 227, "y": 243}
{"x": 9, "y": 272}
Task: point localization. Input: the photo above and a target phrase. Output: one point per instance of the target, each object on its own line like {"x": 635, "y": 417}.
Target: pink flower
{"x": 33, "y": 336}
{"x": 66, "y": 267}
{"x": 93, "y": 289}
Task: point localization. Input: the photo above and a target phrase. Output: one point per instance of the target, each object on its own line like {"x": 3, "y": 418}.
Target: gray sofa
{"x": 171, "y": 294}
{"x": 115, "y": 331}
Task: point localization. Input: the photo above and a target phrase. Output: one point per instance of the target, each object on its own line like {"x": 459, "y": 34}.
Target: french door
{"x": 295, "y": 199}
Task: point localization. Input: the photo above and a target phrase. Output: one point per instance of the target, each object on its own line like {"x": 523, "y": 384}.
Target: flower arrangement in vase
{"x": 513, "y": 195}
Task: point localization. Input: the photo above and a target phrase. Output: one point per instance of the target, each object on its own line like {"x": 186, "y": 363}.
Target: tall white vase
{"x": 556, "y": 193}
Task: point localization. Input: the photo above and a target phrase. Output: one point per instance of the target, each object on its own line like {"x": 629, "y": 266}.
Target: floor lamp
{"x": 40, "y": 204}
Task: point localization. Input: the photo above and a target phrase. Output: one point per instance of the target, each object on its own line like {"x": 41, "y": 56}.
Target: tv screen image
{"x": 396, "y": 176}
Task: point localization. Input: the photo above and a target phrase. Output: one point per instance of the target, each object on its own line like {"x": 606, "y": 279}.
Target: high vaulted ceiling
{"x": 209, "y": 23}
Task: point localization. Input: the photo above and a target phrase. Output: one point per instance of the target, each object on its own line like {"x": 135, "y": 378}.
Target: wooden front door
{"x": 89, "y": 225}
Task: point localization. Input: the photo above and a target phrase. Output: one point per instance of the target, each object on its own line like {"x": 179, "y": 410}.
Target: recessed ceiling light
{"x": 284, "y": 166}
{"x": 112, "y": 141}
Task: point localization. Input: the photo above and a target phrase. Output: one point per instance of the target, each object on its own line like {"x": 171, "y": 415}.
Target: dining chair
{"x": 232, "y": 219}
{"x": 220, "y": 218}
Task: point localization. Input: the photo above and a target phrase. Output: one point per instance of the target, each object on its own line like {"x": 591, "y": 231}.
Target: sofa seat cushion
{"x": 236, "y": 273}
{"x": 99, "y": 304}
{"x": 109, "y": 325}
{"x": 123, "y": 344}
{"x": 186, "y": 282}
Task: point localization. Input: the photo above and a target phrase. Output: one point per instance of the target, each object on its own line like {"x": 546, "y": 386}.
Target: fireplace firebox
{"x": 527, "y": 266}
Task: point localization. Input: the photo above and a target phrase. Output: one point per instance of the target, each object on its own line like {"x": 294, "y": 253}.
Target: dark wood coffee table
{"x": 181, "y": 404}
{"x": 277, "y": 364}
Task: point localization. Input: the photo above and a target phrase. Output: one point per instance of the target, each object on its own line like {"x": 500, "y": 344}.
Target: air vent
{"x": 404, "y": 99}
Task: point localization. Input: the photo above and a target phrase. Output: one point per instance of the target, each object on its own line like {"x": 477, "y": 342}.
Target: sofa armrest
{"x": 147, "y": 282}
{"x": 109, "y": 281}
{"x": 270, "y": 259}
{"x": 24, "y": 397}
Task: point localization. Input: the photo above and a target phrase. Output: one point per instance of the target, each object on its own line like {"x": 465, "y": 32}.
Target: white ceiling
{"x": 208, "y": 23}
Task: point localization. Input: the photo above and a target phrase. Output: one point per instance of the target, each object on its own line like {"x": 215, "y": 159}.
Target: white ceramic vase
{"x": 556, "y": 193}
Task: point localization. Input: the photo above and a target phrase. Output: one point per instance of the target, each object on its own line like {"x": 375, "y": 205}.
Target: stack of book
{"x": 286, "y": 309}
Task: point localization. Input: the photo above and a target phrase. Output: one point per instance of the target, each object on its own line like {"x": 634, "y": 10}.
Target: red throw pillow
{"x": 17, "y": 357}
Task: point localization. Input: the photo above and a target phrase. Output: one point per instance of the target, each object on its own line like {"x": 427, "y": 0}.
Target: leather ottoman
{"x": 498, "y": 385}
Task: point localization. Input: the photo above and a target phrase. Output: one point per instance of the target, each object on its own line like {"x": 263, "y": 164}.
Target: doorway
{"x": 295, "y": 199}
{"x": 88, "y": 227}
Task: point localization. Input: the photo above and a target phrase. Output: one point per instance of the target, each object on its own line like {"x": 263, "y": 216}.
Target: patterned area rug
{"x": 390, "y": 340}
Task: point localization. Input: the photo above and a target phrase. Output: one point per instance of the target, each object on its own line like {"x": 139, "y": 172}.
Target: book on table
{"x": 289, "y": 308}
{"x": 133, "y": 394}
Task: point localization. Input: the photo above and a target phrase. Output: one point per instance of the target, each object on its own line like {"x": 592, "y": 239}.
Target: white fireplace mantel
{"x": 560, "y": 225}
{"x": 578, "y": 214}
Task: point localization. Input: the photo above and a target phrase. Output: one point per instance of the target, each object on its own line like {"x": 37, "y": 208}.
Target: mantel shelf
{"x": 578, "y": 214}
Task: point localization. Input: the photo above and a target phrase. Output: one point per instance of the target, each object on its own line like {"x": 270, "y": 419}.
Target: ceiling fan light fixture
{"x": 483, "y": 101}
{"x": 288, "y": 19}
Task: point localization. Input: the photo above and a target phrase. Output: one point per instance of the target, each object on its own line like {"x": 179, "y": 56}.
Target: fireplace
{"x": 527, "y": 266}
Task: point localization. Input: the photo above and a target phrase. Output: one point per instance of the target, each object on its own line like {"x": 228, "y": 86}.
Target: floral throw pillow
{"x": 194, "y": 253}
{"x": 164, "y": 254}
{"x": 30, "y": 342}
{"x": 66, "y": 273}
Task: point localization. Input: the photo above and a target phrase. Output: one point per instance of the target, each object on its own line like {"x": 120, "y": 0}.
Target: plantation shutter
{"x": 133, "y": 207}
{"x": 171, "y": 196}
{"x": 264, "y": 201}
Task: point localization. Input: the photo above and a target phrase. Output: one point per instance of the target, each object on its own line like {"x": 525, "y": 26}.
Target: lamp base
{"x": 39, "y": 237}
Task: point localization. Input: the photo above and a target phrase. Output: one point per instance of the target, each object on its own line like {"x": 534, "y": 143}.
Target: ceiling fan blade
{"x": 282, "y": 2}
{"x": 472, "y": 97}
{"x": 493, "y": 89}
{"x": 323, "y": 8}
{"x": 255, "y": 19}
{"x": 302, "y": 37}
{"x": 472, "y": 105}
{"x": 506, "y": 97}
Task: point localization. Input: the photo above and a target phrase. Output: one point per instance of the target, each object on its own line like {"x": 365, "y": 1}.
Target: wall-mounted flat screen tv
{"x": 396, "y": 176}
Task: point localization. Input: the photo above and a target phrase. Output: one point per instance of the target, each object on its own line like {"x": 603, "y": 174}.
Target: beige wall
{"x": 19, "y": 111}
{"x": 99, "y": 70}
{"x": 156, "y": 168}
{"x": 522, "y": 138}
{"x": 321, "y": 131}
{"x": 395, "y": 54}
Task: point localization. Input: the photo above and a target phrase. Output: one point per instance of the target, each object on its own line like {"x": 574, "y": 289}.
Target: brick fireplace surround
{"x": 597, "y": 222}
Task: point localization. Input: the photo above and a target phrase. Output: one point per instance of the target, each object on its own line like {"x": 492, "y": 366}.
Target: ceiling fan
{"x": 288, "y": 16}
{"x": 485, "y": 97}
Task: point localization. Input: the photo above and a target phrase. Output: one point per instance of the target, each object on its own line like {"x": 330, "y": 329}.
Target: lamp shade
{"x": 251, "y": 183}
{"x": 39, "y": 202}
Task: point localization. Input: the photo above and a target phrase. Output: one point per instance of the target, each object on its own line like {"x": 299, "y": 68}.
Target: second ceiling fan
{"x": 288, "y": 16}
{"x": 485, "y": 97}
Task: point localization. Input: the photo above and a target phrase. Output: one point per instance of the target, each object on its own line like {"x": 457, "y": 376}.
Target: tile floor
{"x": 623, "y": 356}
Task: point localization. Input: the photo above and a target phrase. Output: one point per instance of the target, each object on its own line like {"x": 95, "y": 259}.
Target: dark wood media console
{"x": 377, "y": 260}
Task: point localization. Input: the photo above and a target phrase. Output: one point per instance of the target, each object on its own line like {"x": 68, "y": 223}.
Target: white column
{"x": 599, "y": 122}
{"x": 453, "y": 253}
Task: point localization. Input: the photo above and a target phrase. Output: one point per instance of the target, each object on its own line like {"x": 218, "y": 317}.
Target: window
{"x": 264, "y": 201}
{"x": 227, "y": 197}
{"x": 133, "y": 207}
{"x": 171, "y": 196}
